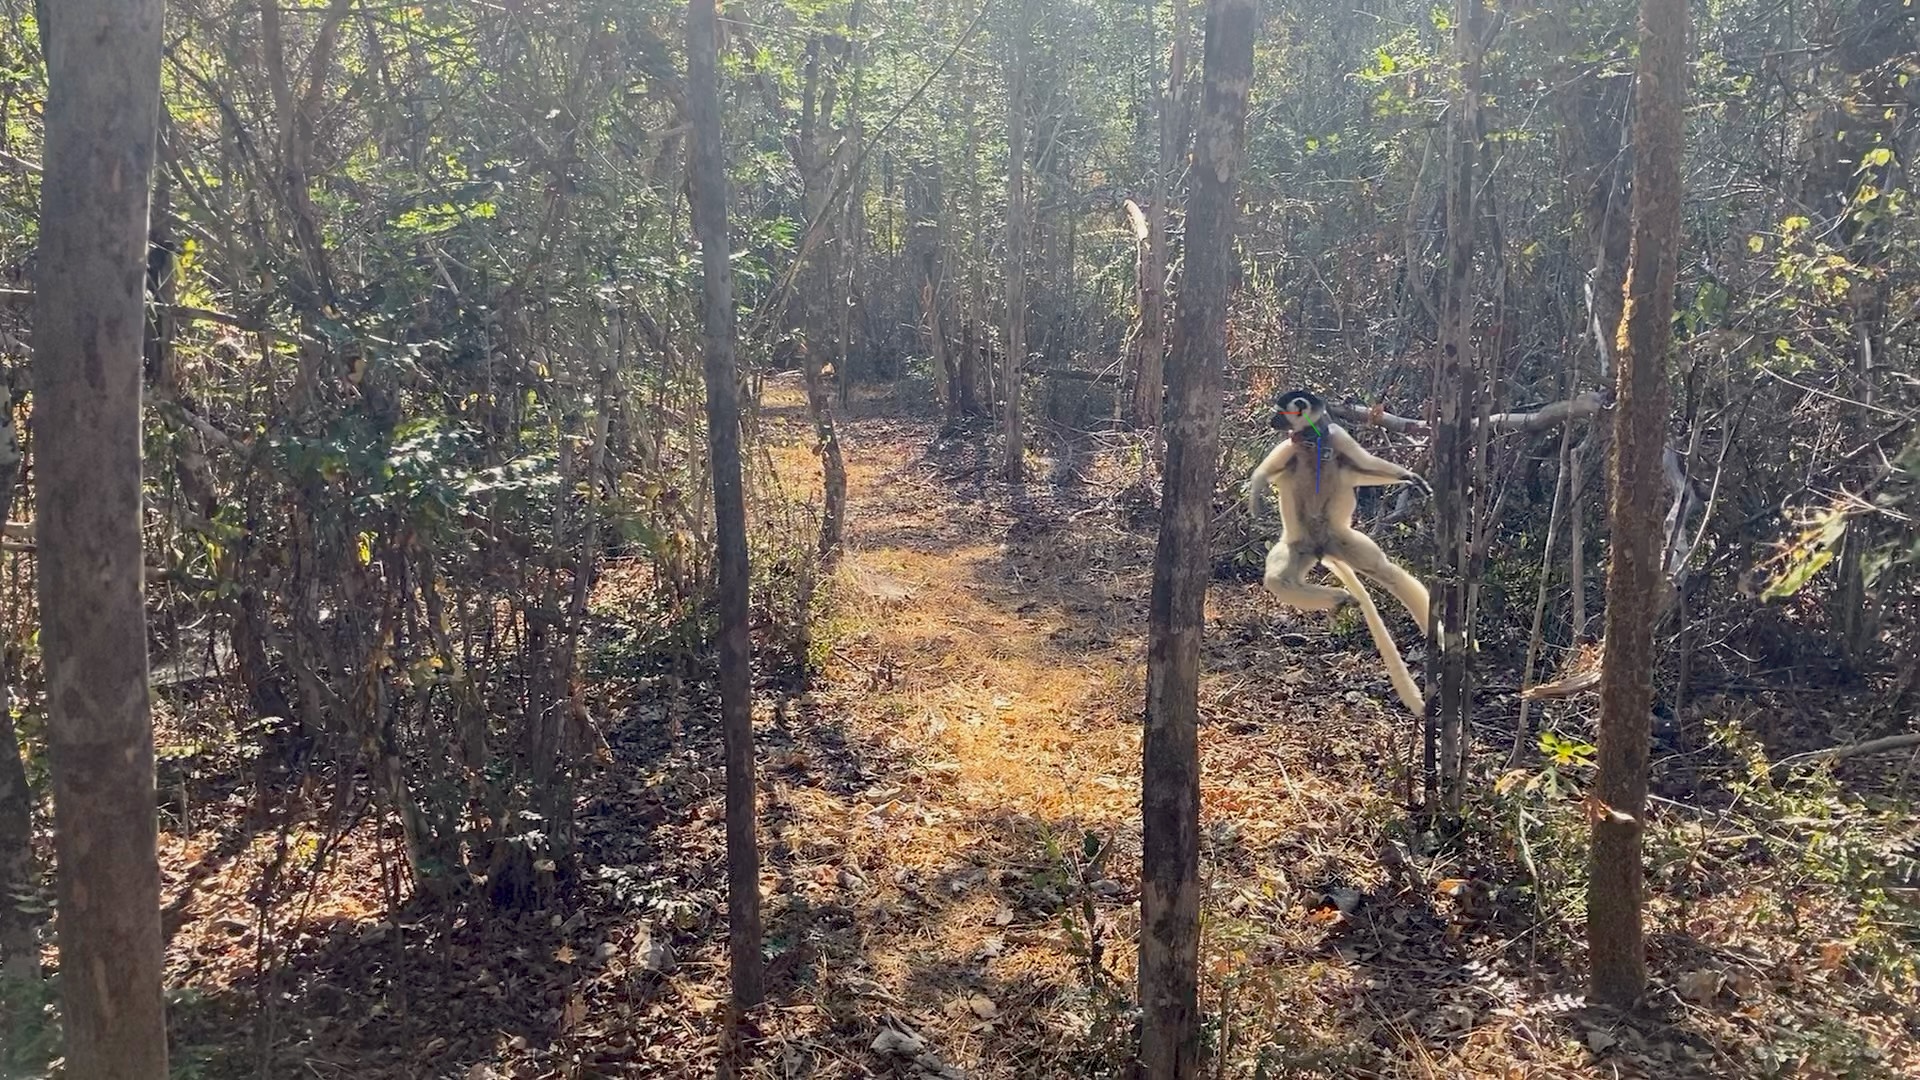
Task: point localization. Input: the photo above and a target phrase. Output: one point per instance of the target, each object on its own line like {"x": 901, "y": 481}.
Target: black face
{"x": 1295, "y": 409}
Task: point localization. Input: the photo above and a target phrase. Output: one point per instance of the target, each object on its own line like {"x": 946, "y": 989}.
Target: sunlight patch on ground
{"x": 1019, "y": 720}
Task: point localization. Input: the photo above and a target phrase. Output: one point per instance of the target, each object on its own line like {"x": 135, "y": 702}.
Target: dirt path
{"x": 983, "y": 697}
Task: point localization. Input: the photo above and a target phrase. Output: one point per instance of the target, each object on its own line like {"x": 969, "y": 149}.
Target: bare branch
{"x": 1835, "y": 753}
{"x": 1591, "y": 403}
{"x": 23, "y": 298}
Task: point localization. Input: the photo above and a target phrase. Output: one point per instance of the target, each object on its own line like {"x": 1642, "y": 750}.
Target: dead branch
{"x": 1835, "y": 753}
{"x": 201, "y": 424}
{"x": 1591, "y": 403}
{"x": 23, "y": 298}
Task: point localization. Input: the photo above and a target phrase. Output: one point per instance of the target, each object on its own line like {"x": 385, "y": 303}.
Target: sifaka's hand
{"x": 1419, "y": 483}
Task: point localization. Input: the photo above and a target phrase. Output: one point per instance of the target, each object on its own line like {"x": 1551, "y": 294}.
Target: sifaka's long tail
{"x": 1403, "y": 683}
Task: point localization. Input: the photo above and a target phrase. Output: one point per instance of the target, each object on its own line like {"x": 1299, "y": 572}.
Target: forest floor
{"x": 950, "y": 817}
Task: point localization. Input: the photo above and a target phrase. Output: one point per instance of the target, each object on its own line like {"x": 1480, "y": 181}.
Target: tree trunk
{"x": 1013, "y": 464}
{"x": 923, "y": 203}
{"x": 1170, "y": 781}
{"x": 853, "y": 222}
{"x": 19, "y": 946}
{"x": 1149, "y": 386}
{"x": 706, "y": 171}
{"x": 162, "y": 259}
{"x": 102, "y": 114}
{"x": 1455, "y": 394}
{"x": 817, "y": 168}
{"x": 1615, "y": 945}
{"x": 976, "y": 364}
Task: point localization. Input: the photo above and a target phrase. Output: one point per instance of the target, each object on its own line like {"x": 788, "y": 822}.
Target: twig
{"x": 1830, "y": 396}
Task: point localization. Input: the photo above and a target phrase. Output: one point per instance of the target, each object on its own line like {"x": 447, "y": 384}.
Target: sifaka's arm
{"x": 1275, "y": 461}
{"x": 1365, "y": 468}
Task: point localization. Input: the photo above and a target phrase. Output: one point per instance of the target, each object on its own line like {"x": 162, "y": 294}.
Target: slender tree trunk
{"x": 1149, "y": 386}
{"x": 853, "y": 223}
{"x": 924, "y": 201}
{"x": 1013, "y": 464}
{"x": 19, "y": 946}
{"x": 1170, "y": 781}
{"x": 162, "y": 259}
{"x": 102, "y": 114}
{"x": 706, "y": 169}
{"x": 1523, "y": 726}
{"x": 1455, "y": 394}
{"x": 1615, "y": 945}
{"x": 975, "y": 375}
{"x": 817, "y": 168}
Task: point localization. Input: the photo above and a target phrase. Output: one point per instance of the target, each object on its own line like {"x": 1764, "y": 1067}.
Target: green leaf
{"x": 1877, "y": 157}
{"x": 1796, "y": 576}
{"x": 1756, "y": 243}
{"x": 1811, "y": 551}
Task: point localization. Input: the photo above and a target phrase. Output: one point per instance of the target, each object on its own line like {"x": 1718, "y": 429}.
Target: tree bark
{"x": 1170, "y": 781}
{"x": 1013, "y": 464}
{"x": 102, "y": 115}
{"x": 1149, "y": 387}
{"x": 706, "y": 171}
{"x": 1616, "y": 948}
{"x": 817, "y": 167}
{"x": 1456, "y": 389}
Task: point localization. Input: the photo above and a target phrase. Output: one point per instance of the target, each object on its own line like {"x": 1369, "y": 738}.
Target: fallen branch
{"x": 1871, "y": 746}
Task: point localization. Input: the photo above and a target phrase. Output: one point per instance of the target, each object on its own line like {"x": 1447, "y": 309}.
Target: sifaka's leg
{"x": 1286, "y": 566}
{"x": 1397, "y": 673}
{"x": 1358, "y": 550}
